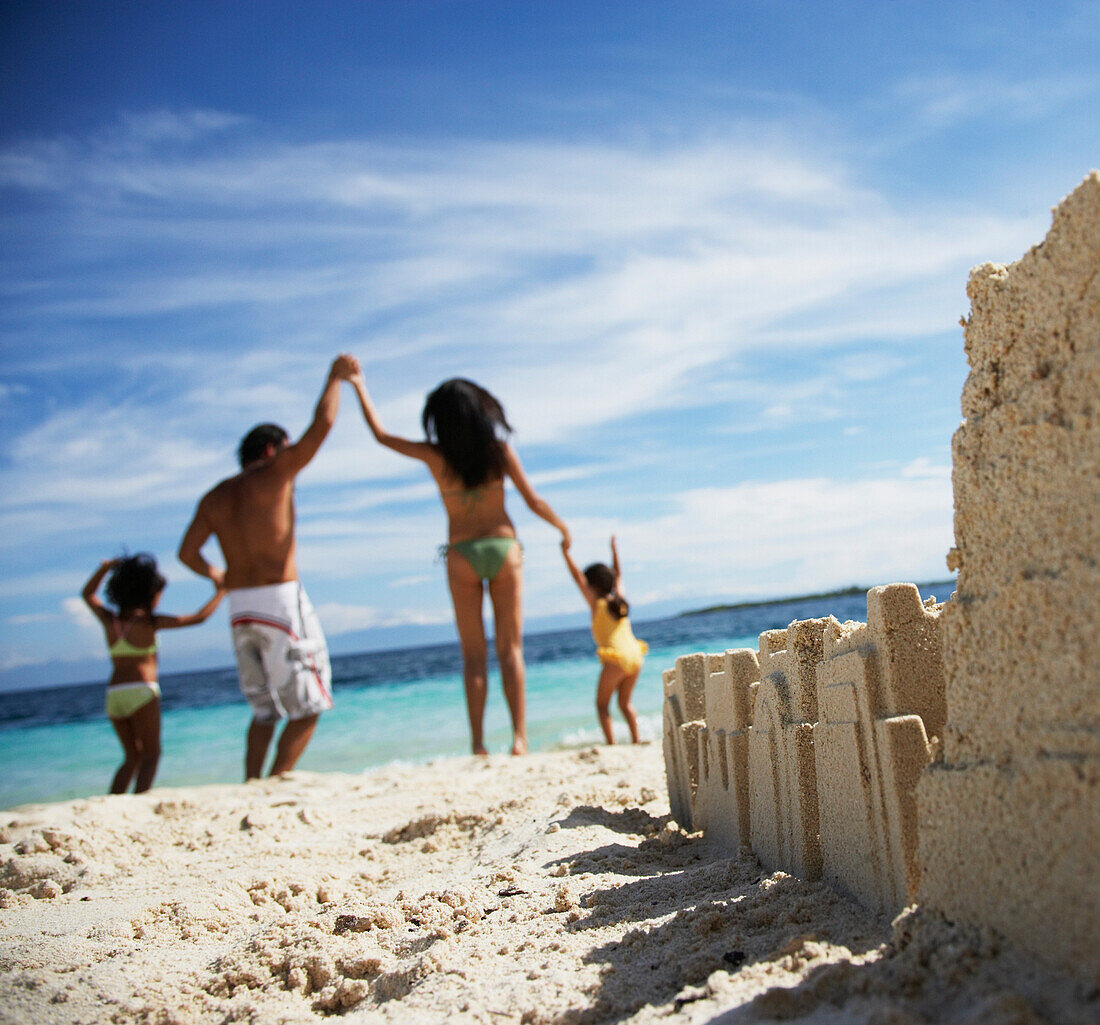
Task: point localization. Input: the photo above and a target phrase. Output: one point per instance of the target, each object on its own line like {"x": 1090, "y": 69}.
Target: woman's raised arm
{"x": 537, "y": 505}
{"x": 413, "y": 449}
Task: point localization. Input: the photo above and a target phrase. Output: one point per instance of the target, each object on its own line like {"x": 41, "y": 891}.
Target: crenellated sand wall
{"x": 947, "y": 753}
{"x": 808, "y": 751}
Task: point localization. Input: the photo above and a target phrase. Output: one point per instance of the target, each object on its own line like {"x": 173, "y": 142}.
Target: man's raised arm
{"x": 296, "y": 456}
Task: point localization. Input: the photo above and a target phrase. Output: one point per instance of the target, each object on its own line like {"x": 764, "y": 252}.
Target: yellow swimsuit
{"x": 616, "y": 644}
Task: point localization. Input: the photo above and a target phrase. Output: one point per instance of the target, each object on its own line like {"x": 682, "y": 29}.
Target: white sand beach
{"x": 546, "y": 889}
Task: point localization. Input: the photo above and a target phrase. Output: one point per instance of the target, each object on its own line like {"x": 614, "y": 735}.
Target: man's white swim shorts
{"x": 282, "y": 658}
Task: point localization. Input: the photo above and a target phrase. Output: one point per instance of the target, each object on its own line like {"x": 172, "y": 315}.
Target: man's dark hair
{"x": 254, "y": 443}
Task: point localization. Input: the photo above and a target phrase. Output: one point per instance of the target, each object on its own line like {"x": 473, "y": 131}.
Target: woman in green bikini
{"x": 469, "y": 457}
{"x": 133, "y": 693}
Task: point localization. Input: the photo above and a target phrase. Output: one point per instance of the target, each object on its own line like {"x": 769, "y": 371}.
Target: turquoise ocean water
{"x": 397, "y": 706}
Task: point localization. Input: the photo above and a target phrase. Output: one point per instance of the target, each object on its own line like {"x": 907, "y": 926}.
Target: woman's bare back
{"x": 475, "y": 512}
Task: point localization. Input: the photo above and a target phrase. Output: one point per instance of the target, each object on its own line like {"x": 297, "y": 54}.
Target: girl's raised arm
{"x": 174, "y": 622}
{"x": 615, "y": 566}
{"x": 413, "y": 449}
{"x": 578, "y": 576}
{"x": 537, "y": 505}
{"x": 91, "y": 598}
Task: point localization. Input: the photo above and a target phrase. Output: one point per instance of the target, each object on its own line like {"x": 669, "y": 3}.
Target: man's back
{"x": 252, "y": 515}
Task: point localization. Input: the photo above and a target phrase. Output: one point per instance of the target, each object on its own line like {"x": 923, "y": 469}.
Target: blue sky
{"x": 711, "y": 256}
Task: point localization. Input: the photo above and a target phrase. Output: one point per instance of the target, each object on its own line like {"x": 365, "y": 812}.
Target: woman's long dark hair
{"x": 134, "y": 583}
{"x": 601, "y": 578}
{"x": 465, "y": 422}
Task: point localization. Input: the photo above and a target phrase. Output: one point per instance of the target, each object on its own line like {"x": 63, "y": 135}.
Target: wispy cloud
{"x": 341, "y": 619}
{"x": 548, "y": 270}
{"x": 945, "y": 101}
{"x": 77, "y": 610}
{"x": 200, "y": 275}
{"x": 789, "y": 536}
{"x": 108, "y": 458}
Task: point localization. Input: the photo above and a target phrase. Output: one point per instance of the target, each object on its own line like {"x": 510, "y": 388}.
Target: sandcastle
{"x": 809, "y": 751}
{"x": 946, "y": 753}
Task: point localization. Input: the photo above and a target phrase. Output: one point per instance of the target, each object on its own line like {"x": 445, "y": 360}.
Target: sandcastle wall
{"x": 807, "y": 751}
{"x": 946, "y": 752}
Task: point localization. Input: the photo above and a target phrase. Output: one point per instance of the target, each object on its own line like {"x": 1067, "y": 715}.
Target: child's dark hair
{"x": 463, "y": 420}
{"x": 134, "y": 583}
{"x": 601, "y": 578}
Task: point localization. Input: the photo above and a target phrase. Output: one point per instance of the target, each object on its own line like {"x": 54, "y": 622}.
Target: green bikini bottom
{"x": 485, "y": 555}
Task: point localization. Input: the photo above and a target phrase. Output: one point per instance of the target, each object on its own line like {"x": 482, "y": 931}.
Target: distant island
{"x": 845, "y": 592}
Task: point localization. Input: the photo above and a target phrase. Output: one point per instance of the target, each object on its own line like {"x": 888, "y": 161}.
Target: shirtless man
{"x": 282, "y": 659}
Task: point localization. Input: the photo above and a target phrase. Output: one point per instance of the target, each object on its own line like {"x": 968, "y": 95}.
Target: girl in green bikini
{"x": 468, "y": 455}
{"x": 133, "y": 693}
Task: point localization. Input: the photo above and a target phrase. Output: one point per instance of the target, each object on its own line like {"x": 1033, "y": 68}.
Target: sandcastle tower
{"x": 783, "y": 815}
{"x": 1010, "y": 819}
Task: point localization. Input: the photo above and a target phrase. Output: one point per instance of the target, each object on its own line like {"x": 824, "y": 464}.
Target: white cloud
{"x": 585, "y": 284}
{"x": 412, "y": 581}
{"x": 749, "y": 540}
{"x": 50, "y": 581}
{"x": 946, "y": 100}
{"x": 175, "y": 126}
{"x": 339, "y": 618}
{"x": 923, "y": 467}
{"x": 78, "y": 612}
{"x": 102, "y": 459}
{"x": 783, "y": 537}
{"x": 18, "y": 641}
{"x": 34, "y": 617}
{"x": 549, "y": 268}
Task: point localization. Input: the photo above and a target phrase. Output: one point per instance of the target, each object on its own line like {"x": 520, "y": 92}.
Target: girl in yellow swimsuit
{"x": 467, "y": 452}
{"x": 621, "y": 654}
{"x": 133, "y": 693}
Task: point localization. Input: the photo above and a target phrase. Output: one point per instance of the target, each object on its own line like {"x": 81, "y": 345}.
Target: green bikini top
{"x": 122, "y": 648}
